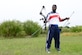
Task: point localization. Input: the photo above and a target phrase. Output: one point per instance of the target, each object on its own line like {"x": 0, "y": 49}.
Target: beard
{"x": 54, "y": 11}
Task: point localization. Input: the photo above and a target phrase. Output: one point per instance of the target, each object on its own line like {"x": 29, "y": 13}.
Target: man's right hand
{"x": 45, "y": 21}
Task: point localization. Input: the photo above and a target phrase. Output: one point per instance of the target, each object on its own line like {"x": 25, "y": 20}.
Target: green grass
{"x": 36, "y": 46}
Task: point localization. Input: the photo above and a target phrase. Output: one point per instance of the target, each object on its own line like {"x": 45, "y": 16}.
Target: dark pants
{"x": 53, "y": 32}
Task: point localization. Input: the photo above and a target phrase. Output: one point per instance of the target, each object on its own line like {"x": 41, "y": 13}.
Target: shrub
{"x": 11, "y": 28}
{"x": 72, "y": 29}
{"x": 76, "y": 29}
{"x": 21, "y": 34}
{"x": 65, "y": 29}
{"x": 30, "y": 27}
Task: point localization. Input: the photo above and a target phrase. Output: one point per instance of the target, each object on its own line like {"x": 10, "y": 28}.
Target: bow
{"x": 44, "y": 18}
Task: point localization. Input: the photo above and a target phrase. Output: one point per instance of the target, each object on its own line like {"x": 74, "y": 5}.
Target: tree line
{"x": 22, "y": 29}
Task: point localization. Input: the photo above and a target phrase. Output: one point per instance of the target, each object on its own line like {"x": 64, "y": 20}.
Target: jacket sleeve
{"x": 47, "y": 17}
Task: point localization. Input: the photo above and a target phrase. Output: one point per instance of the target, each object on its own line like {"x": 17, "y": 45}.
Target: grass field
{"x": 71, "y": 45}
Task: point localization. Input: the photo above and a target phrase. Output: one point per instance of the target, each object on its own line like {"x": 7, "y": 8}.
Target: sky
{"x": 24, "y": 10}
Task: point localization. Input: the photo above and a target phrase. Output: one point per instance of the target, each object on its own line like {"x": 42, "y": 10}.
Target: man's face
{"x": 54, "y": 8}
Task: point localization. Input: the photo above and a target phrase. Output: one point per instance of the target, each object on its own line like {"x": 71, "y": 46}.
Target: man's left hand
{"x": 67, "y": 18}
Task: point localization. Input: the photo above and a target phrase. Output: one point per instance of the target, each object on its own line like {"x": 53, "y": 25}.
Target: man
{"x": 53, "y": 19}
